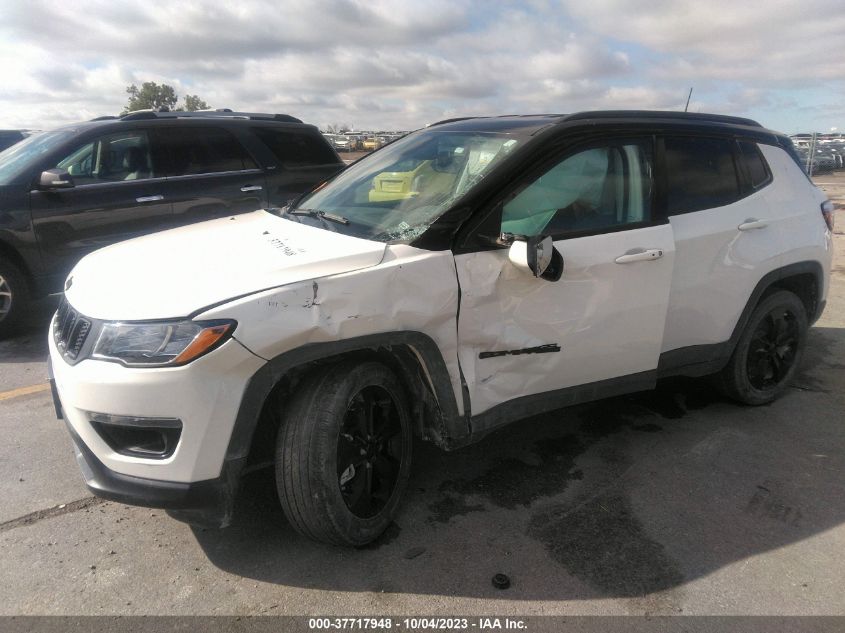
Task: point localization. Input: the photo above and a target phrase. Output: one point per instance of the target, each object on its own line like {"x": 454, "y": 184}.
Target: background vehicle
{"x": 343, "y": 143}
{"x": 72, "y": 190}
{"x": 372, "y": 143}
{"x": 555, "y": 260}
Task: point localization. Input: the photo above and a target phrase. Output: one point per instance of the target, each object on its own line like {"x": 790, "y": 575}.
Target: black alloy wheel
{"x": 773, "y": 349}
{"x": 343, "y": 453}
{"x": 768, "y": 352}
{"x": 369, "y": 452}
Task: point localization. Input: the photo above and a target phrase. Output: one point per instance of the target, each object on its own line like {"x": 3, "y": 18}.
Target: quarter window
{"x": 596, "y": 189}
{"x": 754, "y": 163}
{"x": 295, "y": 149}
{"x": 701, "y": 174}
{"x": 119, "y": 156}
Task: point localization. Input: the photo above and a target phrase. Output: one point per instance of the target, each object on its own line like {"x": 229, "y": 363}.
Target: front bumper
{"x": 196, "y": 480}
{"x": 207, "y": 503}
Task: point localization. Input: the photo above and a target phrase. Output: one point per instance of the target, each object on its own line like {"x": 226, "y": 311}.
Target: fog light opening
{"x": 149, "y": 438}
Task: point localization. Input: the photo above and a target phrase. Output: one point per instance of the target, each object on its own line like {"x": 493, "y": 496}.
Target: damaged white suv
{"x": 473, "y": 273}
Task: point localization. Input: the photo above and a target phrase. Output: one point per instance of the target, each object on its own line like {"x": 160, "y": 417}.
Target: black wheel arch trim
{"x": 701, "y": 360}
{"x": 268, "y": 376}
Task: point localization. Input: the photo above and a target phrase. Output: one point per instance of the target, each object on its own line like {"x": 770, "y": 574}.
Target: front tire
{"x": 14, "y": 296}
{"x": 768, "y": 352}
{"x": 343, "y": 454}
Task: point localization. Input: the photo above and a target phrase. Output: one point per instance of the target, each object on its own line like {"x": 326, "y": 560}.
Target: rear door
{"x": 726, "y": 236}
{"x": 119, "y": 193}
{"x": 296, "y": 160}
{"x": 209, "y": 173}
{"x": 523, "y": 340}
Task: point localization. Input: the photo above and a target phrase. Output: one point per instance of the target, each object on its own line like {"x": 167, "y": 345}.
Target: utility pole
{"x": 810, "y": 155}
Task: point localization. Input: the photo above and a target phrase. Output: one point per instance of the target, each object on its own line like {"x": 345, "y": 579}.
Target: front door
{"x": 118, "y": 194}
{"x": 525, "y": 342}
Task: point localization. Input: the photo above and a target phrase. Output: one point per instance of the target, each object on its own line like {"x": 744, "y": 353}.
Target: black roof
{"x": 220, "y": 113}
{"x": 525, "y": 123}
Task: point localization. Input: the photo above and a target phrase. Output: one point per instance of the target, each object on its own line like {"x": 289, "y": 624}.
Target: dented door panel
{"x": 521, "y": 336}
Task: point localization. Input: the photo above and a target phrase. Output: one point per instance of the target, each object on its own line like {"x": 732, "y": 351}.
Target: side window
{"x": 755, "y": 164}
{"x": 201, "y": 150}
{"x": 700, "y": 174}
{"x": 112, "y": 158}
{"x": 599, "y": 188}
{"x": 296, "y": 149}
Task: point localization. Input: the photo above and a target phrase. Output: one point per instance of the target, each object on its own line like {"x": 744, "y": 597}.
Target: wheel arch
{"x": 413, "y": 356}
{"x": 805, "y": 279}
{"x": 10, "y": 253}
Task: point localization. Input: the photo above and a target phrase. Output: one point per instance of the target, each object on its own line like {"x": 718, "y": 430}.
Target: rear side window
{"x": 701, "y": 174}
{"x": 296, "y": 149}
{"x": 755, "y": 165}
{"x": 201, "y": 150}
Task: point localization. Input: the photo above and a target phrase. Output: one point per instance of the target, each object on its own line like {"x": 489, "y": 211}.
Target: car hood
{"x": 178, "y": 272}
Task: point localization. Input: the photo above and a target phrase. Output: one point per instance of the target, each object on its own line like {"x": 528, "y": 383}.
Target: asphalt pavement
{"x": 668, "y": 502}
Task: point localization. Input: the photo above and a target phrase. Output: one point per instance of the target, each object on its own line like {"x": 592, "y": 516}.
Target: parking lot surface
{"x": 666, "y": 502}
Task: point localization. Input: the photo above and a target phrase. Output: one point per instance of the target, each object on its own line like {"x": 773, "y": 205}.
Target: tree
{"x": 194, "y": 103}
{"x": 150, "y": 96}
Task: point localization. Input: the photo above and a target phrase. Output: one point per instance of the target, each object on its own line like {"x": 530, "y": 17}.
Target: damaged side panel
{"x": 411, "y": 290}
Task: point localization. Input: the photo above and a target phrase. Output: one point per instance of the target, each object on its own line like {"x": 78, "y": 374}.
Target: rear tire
{"x": 14, "y": 296}
{"x": 768, "y": 352}
{"x": 343, "y": 454}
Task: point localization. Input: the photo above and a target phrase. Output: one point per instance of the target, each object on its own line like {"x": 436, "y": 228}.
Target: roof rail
{"x": 104, "y": 117}
{"x": 220, "y": 113}
{"x": 661, "y": 114}
{"x": 444, "y": 121}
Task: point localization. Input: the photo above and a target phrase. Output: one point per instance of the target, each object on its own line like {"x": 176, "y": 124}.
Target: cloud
{"x": 773, "y": 41}
{"x": 387, "y": 64}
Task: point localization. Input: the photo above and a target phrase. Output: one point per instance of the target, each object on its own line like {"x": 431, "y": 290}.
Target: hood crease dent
{"x": 183, "y": 271}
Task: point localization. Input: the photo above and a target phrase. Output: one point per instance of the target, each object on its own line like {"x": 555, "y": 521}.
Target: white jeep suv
{"x": 521, "y": 264}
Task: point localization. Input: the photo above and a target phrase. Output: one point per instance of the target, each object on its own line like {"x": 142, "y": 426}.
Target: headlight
{"x": 160, "y": 344}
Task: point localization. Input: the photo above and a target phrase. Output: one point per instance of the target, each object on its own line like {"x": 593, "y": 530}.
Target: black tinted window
{"x": 700, "y": 174}
{"x": 296, "y": 149}
{"x": 203, "y": 151}
{"x": 755, "y": 165}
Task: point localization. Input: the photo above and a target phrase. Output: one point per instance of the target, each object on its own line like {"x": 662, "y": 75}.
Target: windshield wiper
{"x": 320, "y": 215}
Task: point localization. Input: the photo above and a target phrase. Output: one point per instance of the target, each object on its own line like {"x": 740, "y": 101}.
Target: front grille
{"x": 70, "y": 329}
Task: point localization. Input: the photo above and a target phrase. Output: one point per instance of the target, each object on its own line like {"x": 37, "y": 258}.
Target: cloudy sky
{"x": 379, "y": 64}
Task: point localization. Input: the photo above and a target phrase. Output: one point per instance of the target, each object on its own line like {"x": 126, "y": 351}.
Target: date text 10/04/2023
{"x": 418, "y": 624}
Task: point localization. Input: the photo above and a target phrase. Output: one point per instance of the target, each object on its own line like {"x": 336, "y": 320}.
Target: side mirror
{"x": 55, "y": 179}
{"x": 538, "y": 256}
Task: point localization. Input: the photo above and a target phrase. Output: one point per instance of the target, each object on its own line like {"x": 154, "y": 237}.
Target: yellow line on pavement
{"x": 24, "y": 391}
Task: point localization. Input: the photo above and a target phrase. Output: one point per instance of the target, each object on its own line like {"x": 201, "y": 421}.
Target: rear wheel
{"x": 769, "y": 351}
{"x": 344, "y": 453}
{"x": 14, "y": 296}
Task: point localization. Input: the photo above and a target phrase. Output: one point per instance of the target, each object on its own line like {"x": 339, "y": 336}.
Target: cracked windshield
{"x": 395, "y": 195}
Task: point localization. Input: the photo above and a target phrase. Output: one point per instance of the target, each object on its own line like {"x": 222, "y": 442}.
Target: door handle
{"x": 246, "y": 188}
{"x": 642, "y": 256}
{"x": 149, "y": 198}
{"x": 753, "y": 223}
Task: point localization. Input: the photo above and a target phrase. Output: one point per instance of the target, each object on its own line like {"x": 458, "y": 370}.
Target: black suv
{"x": 69, "y": 191}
